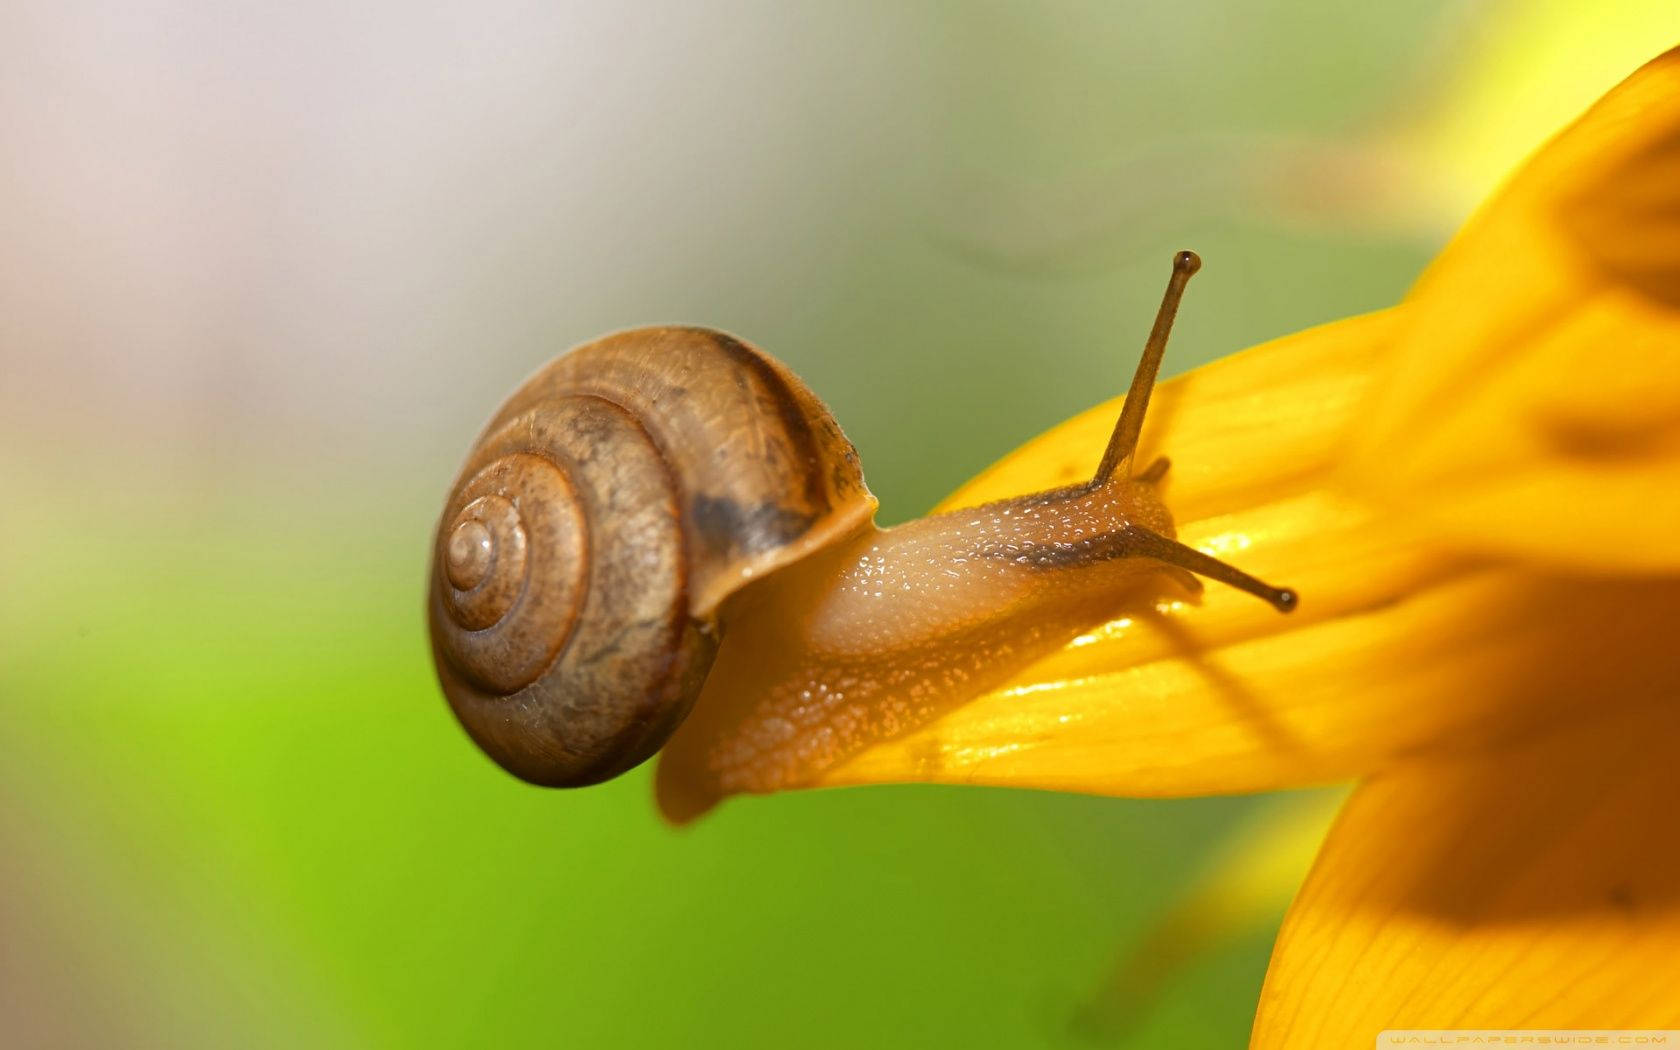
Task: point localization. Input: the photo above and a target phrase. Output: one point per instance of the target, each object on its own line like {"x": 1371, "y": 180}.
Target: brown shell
{"x": 611, "y": 505}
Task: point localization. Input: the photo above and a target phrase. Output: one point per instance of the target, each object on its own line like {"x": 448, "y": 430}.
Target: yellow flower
{"x": 1477, "y": 496}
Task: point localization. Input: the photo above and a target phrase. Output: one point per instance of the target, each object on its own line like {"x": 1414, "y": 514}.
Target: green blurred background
{"x": 265, "y": 269}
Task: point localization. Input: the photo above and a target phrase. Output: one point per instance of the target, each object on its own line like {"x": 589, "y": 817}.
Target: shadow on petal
{"x": 1534, "y": 886}
{"x": 1631, "y": 223}
{"x": 1531, "y": 407}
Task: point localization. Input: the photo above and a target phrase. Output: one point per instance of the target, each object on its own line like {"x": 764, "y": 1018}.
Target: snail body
{"x": 668, "y": 515}
{"x": 888, "y": 628}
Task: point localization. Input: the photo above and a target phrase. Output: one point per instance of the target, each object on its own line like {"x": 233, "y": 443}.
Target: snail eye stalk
{"x": 1122, "y": 444}
{"x": 1124, "y": 440}
{"x": 1152, "y": 544}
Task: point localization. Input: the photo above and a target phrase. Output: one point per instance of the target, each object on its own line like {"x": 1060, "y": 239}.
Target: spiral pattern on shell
{"x": 617, "y": 499}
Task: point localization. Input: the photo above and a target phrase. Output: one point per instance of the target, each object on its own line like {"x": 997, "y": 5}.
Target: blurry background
{"x": 265, "y": 269}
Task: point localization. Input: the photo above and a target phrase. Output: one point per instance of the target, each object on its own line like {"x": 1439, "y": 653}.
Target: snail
{"x": 665, "y": 513}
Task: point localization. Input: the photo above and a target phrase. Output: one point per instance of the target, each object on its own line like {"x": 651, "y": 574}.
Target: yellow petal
{"x": 1532, "y": 404}
{"x": 1398, "y": 645}
{"x": 1176, "y": 707}
{"x": 1536, "y": 887}
{"x": 1518, "y": 72}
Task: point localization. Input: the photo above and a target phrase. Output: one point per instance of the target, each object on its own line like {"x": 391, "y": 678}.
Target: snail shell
{"x": 609, "y": 508}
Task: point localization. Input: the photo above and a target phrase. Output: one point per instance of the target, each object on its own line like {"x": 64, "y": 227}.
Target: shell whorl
{"x": 612, "y": 504}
